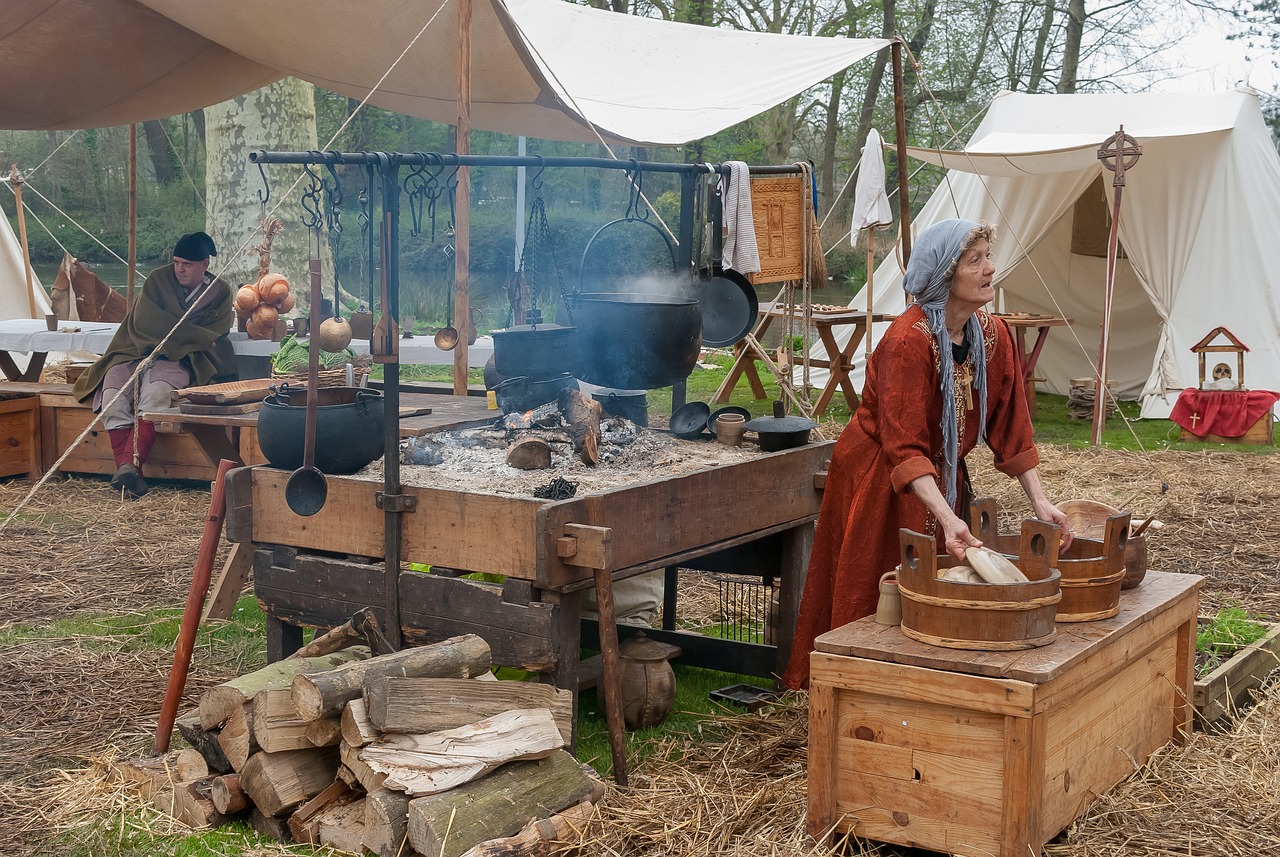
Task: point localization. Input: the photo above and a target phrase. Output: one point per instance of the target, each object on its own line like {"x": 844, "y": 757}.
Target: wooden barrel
{"x": 979, "y": 616}
{"x": 1093, "y": 570}
{"x": 1093, "y": 574}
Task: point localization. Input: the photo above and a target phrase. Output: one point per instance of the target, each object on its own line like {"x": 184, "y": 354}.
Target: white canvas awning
{"x": 541, "y": 68}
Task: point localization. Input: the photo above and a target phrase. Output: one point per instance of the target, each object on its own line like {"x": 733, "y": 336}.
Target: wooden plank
{"x": 1219, "y": 691}
{"x": 1159, "y": 592}
{"x": 1021, "y": 801}
{"x": 662, "y": 517}
{"x": 977, "y": 693}
{"x": 349, "y": 522}
{"x": 316, "y": 590}
{"x": 231, "y": 581}
{"x": 819, "y": 820}
{"x": 172, "y": 457}
{"x": 921, "y": 727}
{"x": 919, "y": 831}
{"x": 20, "y": 436}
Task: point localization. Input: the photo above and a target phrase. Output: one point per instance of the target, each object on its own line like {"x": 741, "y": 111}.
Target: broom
{"x": 817, "y": 261}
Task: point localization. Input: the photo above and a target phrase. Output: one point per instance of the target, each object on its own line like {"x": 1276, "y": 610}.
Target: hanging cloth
{"x": 870, "y": 202}
{"x": 740, "y": 250}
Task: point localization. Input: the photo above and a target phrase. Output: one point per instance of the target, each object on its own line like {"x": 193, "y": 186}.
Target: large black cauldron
{"x": 349, "y": 428}
{"x": 635, "y": 341}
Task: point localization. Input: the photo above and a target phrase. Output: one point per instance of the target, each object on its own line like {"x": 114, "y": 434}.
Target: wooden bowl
{"x": 1088, "y": 518}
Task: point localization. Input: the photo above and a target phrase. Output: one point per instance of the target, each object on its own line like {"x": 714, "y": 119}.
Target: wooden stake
{"x": 133, "y": 211}
{"x": 900, "y": 130}
{"x": 462, "y": 208}
{"x": 871, "y": 262}
{"x": 16, "y": 181}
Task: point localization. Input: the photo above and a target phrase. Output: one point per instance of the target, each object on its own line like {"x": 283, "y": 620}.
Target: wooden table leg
{"x": 231, "y": 580}
{"x": 214, "y": 442}
{"x": 611, "y": 674}
{"x": 840, "y": 361}
{"x": 744, "y": 363}
{"x": 283, "y": 639}
{"x": 13, "y": 373}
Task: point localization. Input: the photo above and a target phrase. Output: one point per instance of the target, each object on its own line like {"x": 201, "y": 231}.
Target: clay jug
{"x": 889, "y": 607}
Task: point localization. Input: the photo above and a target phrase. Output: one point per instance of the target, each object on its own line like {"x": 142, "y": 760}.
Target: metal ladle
{"x": 307, "y": 489}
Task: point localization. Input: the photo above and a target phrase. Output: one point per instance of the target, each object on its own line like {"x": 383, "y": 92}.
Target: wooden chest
{"x": 994, "y": 753}
{"x": 1259, "y": 434}
{"x": 20, "y": 436}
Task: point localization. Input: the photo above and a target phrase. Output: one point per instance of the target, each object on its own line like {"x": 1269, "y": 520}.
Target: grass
{"x": 1230, "y": 629}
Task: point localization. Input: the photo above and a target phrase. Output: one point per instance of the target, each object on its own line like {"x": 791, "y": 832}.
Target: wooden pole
{"x": 200, "y": 577}
{"x": 871, "y": 265}
{"x": 133, "y": 212}
{"x": 16, "y": 180}
{"x": 900, "y": 129}
{"x": 462, "y": 216}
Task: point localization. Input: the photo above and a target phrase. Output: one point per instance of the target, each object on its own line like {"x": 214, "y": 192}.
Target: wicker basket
{"x": 336, "y": 377}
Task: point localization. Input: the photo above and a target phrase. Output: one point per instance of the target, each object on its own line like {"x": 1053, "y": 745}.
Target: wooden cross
{"x": 1118, "y": 153}
{"x": 1195, "y": 418}
{"x": 964, "y": 384}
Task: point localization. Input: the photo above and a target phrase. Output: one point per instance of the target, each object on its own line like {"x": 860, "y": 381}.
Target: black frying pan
{"x": 729, "y": 306}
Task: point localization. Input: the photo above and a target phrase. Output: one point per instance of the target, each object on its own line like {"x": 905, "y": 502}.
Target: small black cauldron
{"x": 349, "y": 428}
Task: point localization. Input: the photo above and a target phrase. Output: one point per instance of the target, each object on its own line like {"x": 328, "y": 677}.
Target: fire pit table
{"x": 317, "y": 571}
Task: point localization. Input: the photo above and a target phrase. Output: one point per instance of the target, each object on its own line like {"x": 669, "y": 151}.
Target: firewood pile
{"x": 419, "y": 751}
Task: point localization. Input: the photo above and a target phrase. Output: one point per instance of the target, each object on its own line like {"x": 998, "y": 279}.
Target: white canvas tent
{"x": 540, "y": 68}
{"x": 1199, "y": 224}
{"x": 14, "y": 302}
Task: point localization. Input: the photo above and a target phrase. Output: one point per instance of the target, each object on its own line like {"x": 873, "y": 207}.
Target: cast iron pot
{"x": 349, "y": 428}
{"x": 536, "y": 350}
{"x": 522, "y": 393}
{"x": 636, "y": 341}
{"x": 629, "y": 404}
{"x": 780, "y": 431}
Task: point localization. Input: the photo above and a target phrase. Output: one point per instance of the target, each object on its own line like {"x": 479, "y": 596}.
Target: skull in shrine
{"x": 1221, "y": 371}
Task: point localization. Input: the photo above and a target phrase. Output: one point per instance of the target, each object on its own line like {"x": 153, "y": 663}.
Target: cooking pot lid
{"x": 766, "y": 425}
{"x": 729, "y": 307}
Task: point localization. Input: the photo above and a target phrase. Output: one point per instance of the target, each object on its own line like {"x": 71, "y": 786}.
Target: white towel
{"x": 870, "y": 203}
{"x": 740, "y": 250}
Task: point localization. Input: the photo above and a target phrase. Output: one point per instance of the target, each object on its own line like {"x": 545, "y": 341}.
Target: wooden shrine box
{"x": 19, "y": 435}
{"x": 994, "y": 753}
{"x": 1259, "y": 434}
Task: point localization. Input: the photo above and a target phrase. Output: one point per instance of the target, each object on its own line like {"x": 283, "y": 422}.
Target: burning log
{"x": 582, "y": 413}
{"x": 451, "y": 823}
{"x": 279, "y": 782}
{"x": 218, "y": 703}
{"x": 323, "y": 694}
{"x": 427, "y": 764}
{"x": 416, "y": 705}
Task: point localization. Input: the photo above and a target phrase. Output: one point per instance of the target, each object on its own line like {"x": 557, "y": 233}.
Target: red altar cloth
{"x": 1226, "y": 413}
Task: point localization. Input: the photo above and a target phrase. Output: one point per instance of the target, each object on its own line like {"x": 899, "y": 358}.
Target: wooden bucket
{"x": 1093, "y": 570}
{"x": 980, "y": 616}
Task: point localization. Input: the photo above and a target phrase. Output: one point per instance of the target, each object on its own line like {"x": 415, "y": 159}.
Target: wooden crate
{"x": 1218, "y": 693}
{"x": 994, "y": 752}
{"x": 20, "y": 436}
{"x": 1259, "y": 434}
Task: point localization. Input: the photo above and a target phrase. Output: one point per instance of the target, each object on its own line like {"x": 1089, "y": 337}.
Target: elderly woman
{"x": 944, "y": 377}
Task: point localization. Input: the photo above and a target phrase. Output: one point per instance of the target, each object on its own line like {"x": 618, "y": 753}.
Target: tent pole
{"x": 16, "y": 181}
{"x": 900, "y": 130}
{"x": 871, "y": 265}
{"x": 462, "y": 216}
{"x": 133, "y": 211}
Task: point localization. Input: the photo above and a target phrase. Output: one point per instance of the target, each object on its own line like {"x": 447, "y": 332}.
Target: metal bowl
{"x": 690, "y": 420}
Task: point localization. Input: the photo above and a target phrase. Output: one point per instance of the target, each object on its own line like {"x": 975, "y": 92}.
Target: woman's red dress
{"x": 894, "y": 437}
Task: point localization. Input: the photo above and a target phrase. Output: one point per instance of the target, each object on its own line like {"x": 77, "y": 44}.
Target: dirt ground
{"x": 78, "y": 550}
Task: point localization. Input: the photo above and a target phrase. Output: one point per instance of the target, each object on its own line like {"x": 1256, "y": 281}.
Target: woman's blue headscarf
{"x": 932, "y": 257}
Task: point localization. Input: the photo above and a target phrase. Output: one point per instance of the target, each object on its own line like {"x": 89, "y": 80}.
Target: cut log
{"x": 190, "y": 766}
{"x": 304, "y": 823}
{"x": 149, "y": 775}
{"x": 542, "y": 837}
{"x": 532, "y": 453}
{"x": 280, "y": 782}
{"x": 386, "y": 822}
{"x": 275, "y": 722}
{"x": 326, "y": 732}
{"x": 193, "y": 805}
{"x": 217, "y": 703}
{"x": 341, "y": 827}
{"x": 427, "y": 764}
{"x": 236, "y": 737}
{"x": 322, "y": 694}
{"x": 368, "y": 779}
{"x": 228, "y": 798}
{"x": 203, "y": 741}
{"x": 357, "y": 729}
{"x": 583, "y": 416}
{"x": 417, "y": 705}
{"x": 362, "y": 627}
{"x": 269, "y": 826}
{"x": 451, "y": 823}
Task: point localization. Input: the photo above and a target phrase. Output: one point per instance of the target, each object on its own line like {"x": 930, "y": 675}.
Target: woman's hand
{"x": 1045, "y": 510}
{"x": 957, "y": 536}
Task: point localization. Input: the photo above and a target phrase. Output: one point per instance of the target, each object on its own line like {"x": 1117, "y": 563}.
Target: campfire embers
{"x": 536, "y": 439}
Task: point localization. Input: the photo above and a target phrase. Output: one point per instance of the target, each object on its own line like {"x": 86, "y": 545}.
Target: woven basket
{"x": 335, "y": 377}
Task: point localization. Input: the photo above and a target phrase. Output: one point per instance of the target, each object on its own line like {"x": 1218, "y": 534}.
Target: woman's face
{"x": 972, "y": 282}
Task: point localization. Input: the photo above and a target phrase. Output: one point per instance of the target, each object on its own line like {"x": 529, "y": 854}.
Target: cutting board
{"x": 229, "y": 393}
{"x": 196, "y": 408}
{"x": 408, "y": 411}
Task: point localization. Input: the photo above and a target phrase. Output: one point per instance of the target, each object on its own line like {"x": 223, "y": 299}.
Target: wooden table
{"x": 1020, "y": 323}
{"x": 838, "y": 364}
{"x": 995, "y": 752}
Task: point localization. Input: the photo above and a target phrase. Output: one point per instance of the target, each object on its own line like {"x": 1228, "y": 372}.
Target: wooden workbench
{"x": 839, "y": 360}
{"x": 995, "y": 752}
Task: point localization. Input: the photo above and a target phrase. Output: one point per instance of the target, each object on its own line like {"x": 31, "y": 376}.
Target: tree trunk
{"x": 1071, "y": 51}
{"x": 162, "y": 154}
{"x": 281, "y": 116}
{"x": 1041, "y": 51}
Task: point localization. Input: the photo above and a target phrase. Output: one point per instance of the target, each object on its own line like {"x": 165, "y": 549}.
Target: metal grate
{"x": 748, "y": 608}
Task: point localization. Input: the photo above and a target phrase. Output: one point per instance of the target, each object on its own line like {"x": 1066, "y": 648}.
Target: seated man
{"x": 198, "y": 352}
